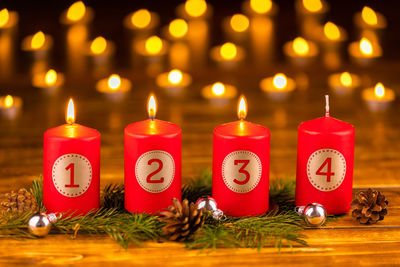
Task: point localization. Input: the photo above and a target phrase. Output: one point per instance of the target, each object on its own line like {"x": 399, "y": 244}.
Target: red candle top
{"x": 152, "y": 127}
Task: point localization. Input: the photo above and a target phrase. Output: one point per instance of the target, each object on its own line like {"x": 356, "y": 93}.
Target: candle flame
{"x": 366, "y": 46}
{"x": 178, "y": 28}
{"x": 152, "y": 107}
{"x": 70, "y": 112}
{"x": 242, "y": 108}
{"x": 345, "y": 79}
{"x": 195, "y": 8}
{"x": 98, "y": 45}
{"x": 114, "y": 81}
{"x": 141, "y": 18}
{"x": 228, "y": 51}
{"x": 239, "y": 23}
{"x": 38, "y": 40}
{"x": 331, "y": 31}
{"x": 8, "y": 101}
{"x": 312, "y": 5}
{"x": 261, "y": 6}
{"x": 379, "y": 90}
{"x": 175, "y": 76}
{"x": 300, "y": 46}
{"x": 280, "y": 80}
{"x": 4, "y": 17}
{"x": 369, "y": 16}
{"x": 218, "y": 88}
{"x": 76, "y": 11}
{"x": 51, "y": 77}
{"x": 153, "y": 45}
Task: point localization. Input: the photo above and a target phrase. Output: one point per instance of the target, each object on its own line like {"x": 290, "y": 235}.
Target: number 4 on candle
{"x": 328, "y": 173}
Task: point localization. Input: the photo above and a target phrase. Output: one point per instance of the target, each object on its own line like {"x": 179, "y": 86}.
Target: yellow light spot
{"x": 114, "y": 81}
{"x": 218, "y": 88}
{"x": 141, "y": 18}
{"x": 300, "y": 46}
{"x": 4, "y": 17}
{"x": 70, "y": 118}
{"x": 153, "y": 45}
{"x": 312, "y": 5}
{"x": 195, "y": 8}
{"x": 38, "y": 40}
{"x": 331, "y": 31}
{"x": 98, "y": 45}
{"x": 242, "y": 108}
{"x": 366, "y": 47}
{"x": 8, "y": 101}
{"x": 239, "y": 22}
{"x": 279, "y": 80}
{"x": 152, "y": 107}
{"x": 228, "y": 51}
{"x": 50, "y": 77}
{"x": 261, "y": 6}
{"x": 345, "y": 79}
{"x": 369, "y": 16}
{"x": 175, "y": 76}
{"x": 76, "y": 11}
{"x": 178, "y": 28}
{"x": 379, "y": 90}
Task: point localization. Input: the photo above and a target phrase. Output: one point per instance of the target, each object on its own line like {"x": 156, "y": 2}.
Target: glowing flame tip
{"x": 152, "y": 107}
{"x": 70, "y": 112}
{"x": 242, "y": 108}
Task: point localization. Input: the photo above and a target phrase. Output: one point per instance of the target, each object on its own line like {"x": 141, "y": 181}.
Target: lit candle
{"x": 364, "y": 52}
{"x": 310, "y": 14}
{"x": 236, "y": 28}
{"x": 101, "y": 50}
{"x": 114, "y": 87}
{"x": 332, "y": 40}
{"x": 39, "y": 44}
{"x": 219, "y": 93}
{"x": 278, "y": 87}
{"x": 71, "y": 167}
{"x": 179, "y": 52}
{"x": 378, "y": 98}
{"x": 152, "y": 48}
{"x": 370, "y": 23}
{"x": 10, "y": 106}
{"x": 142, "y": 21}
{"x": 174, "y": 81}
{"x": 194, "y": 9}
{"x": 259, "y": 8}
{"x": 152, "y": 163}
{"x": 343, "y": 83}
{"x": 300, "y": 51}
{"x": 50, "y": 80}
{"x": 77, "y": 13}
{"x": 325, "y": 155}
{"x": 8, "y": 19}
{"x": 227, "y": 55}
{"x": 241, "y": 166}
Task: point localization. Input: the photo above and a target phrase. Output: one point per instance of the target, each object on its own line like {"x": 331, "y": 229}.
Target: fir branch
{"x": 37, "y": 192}
{"x": 14, "y": 225}
{"x": 198, "y": 187}
{"x": 113, "y": 196}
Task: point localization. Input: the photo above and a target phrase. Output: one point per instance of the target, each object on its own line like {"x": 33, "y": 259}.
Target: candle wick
{"x": 327, "y": 106}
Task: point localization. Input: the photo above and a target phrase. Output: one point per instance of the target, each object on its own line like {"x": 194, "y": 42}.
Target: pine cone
{"x": 182, "y": 220}
{"x": 18, "y": 202}
{"x": 369, "y": 206}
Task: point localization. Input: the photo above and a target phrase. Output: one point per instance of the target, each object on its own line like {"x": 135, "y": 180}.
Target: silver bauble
{"x": 207, "y": 203}
{"x": 40, "y": 223}
{"x": 314, "y": 214}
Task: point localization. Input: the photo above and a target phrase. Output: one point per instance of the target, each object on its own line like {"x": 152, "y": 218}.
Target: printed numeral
{"x": 328, "y": 173}
{"x": 160, "y": 165}
{"x": 71, "y": 168}
{"x": 244, "y": 163}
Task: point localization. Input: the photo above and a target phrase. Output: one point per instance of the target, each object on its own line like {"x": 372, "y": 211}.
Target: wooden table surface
{"x": 377, "y": 162}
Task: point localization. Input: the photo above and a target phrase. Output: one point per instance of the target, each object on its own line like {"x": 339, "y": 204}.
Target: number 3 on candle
{"x": 155, "y": 171}
{"x": 241, "y": 171}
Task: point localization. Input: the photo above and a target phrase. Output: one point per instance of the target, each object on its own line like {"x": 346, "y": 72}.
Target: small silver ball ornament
{"x": 40, "y": 223}
{"x": 210, "y": 205}
{"x": 314, "y": 214}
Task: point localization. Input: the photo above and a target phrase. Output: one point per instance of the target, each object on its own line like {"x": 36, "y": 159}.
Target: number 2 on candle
{"x": 244, "y": 163}
{"x": 71, "y": 168}
{"x": 160, "y": 165}
{"x": 328, "y": 173}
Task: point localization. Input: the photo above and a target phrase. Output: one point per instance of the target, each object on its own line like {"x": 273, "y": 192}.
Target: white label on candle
{"x": 241, "y": 171}
{"x": 326, "y": 169}
{"x": 72, "y": 175}
{"x": 155, "y": 171}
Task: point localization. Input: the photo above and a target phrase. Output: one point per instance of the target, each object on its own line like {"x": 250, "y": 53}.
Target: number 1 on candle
{"x": 71, "y": 168}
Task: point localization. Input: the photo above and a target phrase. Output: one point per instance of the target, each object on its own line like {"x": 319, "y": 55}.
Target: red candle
{"x": 241, "y": 166}
{"x": 325, "y": 155}
{"x": 71, "y": 167}
{"x": 152, "y": 163}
